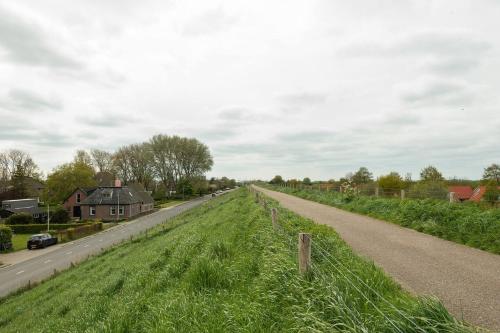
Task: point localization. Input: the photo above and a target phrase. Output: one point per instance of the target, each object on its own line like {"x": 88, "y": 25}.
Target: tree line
{"x": 163, "y": 163}
{"x": 431, "y": 183}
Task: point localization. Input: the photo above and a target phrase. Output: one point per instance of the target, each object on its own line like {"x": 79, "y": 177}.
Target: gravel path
{"x": 466, "y": 280}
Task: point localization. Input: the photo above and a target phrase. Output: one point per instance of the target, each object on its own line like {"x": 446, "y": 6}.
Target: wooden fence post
{"x": 452, "y": 197}
{"x": 402, "y": 194}
{"x": 256, "y": 196}
{"x": 376, "y": 191}
{"x": 274, "y": 216}
{"x": 304, "y": 252}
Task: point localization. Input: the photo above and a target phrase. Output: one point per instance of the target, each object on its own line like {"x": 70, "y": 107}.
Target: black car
{"x": 41, "y": 241}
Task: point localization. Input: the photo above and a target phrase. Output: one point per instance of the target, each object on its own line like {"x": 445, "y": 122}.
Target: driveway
{"x": 466, "y": 280}
{"x": 40, "y": 264}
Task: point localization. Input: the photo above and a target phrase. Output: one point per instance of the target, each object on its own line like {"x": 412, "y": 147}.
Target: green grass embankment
{"x": 222, "y": 268}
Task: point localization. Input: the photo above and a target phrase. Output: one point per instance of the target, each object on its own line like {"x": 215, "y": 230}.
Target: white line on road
{"x": 69, "y": 252}
{"x": 86, "y": 245}
{"x": 47, "y": 261}
{"x": 20, "y": 272}
{"x": 100, "y": 240}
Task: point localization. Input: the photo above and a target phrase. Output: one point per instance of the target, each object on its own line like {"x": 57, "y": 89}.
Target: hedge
{"x": 38, "y": 228}
{"x": 20, "y": 218}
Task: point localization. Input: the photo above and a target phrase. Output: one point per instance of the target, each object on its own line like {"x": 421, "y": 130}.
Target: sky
{"x": 313, "y": 88}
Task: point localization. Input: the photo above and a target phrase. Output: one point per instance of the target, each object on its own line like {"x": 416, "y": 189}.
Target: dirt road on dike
{"x": 466, "y": 280}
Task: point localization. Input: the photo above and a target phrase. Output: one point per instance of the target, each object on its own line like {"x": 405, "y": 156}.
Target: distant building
{"x": 462, "y": 193}
{"x": 29, "y": 206}
{"x": 108, "y": 203}
{"x": 478, "y": 193}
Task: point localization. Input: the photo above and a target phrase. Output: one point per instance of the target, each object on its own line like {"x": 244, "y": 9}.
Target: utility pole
{"x": 118, "y": 207}
{"x": 48, "y": 216}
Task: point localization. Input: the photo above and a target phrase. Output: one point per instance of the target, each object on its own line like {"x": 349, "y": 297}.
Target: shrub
{"x": 20, "y": 218}
{"x": 5, "y": 237}
{"x": 429, "y": 189}
{"x": 60, "y": 216}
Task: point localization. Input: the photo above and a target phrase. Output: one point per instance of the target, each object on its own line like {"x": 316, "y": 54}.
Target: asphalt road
{"x": 465, "y": 279}
{"x": 41, "y": 267}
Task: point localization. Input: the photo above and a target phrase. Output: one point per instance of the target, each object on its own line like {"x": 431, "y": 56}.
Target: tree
{"x": 16, "y": 163}
{"x": 492, "y": 193}
{"x": 307, "y": 181}
{"x": 175, "y": 158}
{"x": 60, "y": 216}
{"x": 18, "y": 182}
{"x": 391, "y": 183}
{"x": 66, "y": 178}
{"x": 431, "y": 174}
{"x": 102, "y": 160}
{"x": 277, "y": 180}
{"x": 362, "y": 176}
{"x": 492, "y": 173}
{"x": 82, "y": 157}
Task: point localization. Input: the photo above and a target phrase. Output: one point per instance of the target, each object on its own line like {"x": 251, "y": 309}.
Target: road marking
{"x": 86, "y": 245}
{"x": 100, "y": 240}
{"x": 20, "y": 272}
{"x": 69, "y": 252}
{"x": 47, "y": 261}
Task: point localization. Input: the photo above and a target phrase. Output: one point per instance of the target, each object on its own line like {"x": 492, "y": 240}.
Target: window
{"x": 121, "y": 210}
{"x": 107, "y": 194}
{"x": 91, "y": 211}
{"x": 78, "y": 197}
{"x": 112, "y": 210}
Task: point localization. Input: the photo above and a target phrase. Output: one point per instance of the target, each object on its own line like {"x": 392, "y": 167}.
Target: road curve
{"x": 466, "y": 280}
{"x": 41, "y": 267}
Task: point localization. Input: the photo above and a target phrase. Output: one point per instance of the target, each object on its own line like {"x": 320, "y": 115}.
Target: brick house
{"x": 115, "y": 202}
{"x": 72, "y": 203}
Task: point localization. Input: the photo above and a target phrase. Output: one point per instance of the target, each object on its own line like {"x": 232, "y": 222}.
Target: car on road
{"x": 41, "y": 241}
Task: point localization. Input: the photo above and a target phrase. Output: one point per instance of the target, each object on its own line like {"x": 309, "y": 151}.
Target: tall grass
{"x": 465, "y": 223}
{"x": 222, "y": 268}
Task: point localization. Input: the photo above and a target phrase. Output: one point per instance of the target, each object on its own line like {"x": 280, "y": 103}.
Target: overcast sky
{"x": 297, "y": 88}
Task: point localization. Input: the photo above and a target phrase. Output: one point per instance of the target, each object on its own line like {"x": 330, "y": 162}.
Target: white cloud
{"x": 302, "y": 88}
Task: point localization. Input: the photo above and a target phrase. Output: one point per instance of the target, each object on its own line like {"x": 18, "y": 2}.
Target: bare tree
{"x": 82, "y": 157}
{"x": 102, "y": 160}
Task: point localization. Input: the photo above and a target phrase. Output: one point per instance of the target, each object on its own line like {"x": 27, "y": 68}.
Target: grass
{"x": 465, "y": 223}
{"x": 171, "y": 203}
{"x": 19, "y": 241}
{"x": 221, "y": 268}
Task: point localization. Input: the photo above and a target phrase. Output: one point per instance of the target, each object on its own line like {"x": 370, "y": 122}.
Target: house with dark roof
{"x": 115, "y": 203}
{"x": 73, "y": 201}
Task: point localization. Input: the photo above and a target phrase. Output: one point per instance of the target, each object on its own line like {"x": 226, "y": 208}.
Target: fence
{"x": 413, "y": 192}
{"x": 307, "y": 248}
{"x": 74, "y": 233}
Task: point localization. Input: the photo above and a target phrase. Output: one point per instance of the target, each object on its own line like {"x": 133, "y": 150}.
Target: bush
{"x": 429, "y": 189}
{"x": 60, "y": 216}
{"x": 20, "y": 218}
{"x": 5, "y": 234}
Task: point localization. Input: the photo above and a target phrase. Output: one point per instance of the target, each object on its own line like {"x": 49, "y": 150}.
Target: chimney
{"x": 118, "y": 183}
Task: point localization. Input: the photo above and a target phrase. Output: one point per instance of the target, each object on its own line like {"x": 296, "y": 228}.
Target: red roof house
{"x": 462, "y": 193}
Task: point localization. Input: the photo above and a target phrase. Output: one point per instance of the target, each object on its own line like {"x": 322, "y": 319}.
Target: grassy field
{"x": 19, "y": 241}
{"x": 221, "y": 268}
{"x": 464, "y": 223}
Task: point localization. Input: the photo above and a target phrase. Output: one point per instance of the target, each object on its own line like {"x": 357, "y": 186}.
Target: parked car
{"x": 41, "y": 241}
